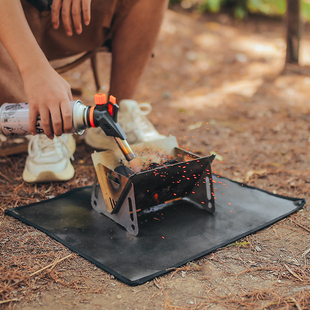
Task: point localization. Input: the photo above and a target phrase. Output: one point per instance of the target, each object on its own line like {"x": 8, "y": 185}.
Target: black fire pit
{"x": 125, "y": 197}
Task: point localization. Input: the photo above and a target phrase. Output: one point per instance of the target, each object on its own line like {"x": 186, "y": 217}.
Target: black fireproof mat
{"x": 179, "y": 234}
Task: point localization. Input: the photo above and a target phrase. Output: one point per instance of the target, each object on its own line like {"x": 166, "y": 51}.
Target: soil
{"x": 219, "y": 86}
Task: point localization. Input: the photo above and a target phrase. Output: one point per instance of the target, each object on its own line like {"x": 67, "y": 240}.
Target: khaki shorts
{"x": 106, "y": 16}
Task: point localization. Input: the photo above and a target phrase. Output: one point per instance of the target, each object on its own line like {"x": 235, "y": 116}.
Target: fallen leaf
{"x": 217, "y": 156}
{"x": 250, "y": 173}
{"x": 195, "y": 126}
{"x": 275, "y": 164}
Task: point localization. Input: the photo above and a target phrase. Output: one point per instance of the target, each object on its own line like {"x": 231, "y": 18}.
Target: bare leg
{"x": 133, "y": 45}
{"x": 11, "y": 83}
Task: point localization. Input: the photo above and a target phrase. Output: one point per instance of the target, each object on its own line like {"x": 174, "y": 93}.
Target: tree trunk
{"x": 293, "y": 30}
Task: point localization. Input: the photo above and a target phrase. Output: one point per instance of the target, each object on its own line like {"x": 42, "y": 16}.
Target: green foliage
{"x": 242, "y": 8}
{"x": 211, "y": 5}
{"x": 305, "y": 9}
{"x": 268, "y": 7}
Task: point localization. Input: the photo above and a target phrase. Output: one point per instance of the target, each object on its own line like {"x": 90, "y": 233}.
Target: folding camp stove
{"x": 127, "y": 198}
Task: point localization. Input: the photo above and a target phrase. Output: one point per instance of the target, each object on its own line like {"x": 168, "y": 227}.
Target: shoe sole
{"x": 49, "y": 176}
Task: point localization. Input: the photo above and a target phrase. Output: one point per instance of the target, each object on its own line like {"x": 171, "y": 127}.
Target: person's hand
{"x": 49, "y": 96}
{"x": 72, "y": 11}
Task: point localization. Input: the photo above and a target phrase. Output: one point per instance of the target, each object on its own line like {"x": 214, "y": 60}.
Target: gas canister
{"x": 14, "y": 118}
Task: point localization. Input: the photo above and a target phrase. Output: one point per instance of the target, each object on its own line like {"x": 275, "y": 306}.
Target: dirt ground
{"x": 217, "y": 85}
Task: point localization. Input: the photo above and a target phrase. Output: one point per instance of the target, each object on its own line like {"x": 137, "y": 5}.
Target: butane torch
{"x": 14, "y": 119}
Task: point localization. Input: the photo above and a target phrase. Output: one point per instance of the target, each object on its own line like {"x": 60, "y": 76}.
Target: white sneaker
{"x": 133, "y": 121}
{"x": 49, "y": 160}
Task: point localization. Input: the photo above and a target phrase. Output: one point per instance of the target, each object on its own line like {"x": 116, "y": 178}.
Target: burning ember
{"x": 126, "y": 171}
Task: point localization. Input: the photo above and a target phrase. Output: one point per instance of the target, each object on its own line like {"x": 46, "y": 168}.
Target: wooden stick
{"x": 14, "y": 150}
{"x": 304, "y": 254}
{"x": 302, "y": 226}
{"x": 9, "y": 300}
{"x": 52, "y": 265}
{"x": 4, "y": 176}
{"x": 293, "y": 273}
{"x": 295, "y": 302}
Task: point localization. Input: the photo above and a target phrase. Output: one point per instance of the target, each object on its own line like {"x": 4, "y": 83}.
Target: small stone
{"x": 166, "y": 94}
{"x": 34, "y": 233}
{"x": 241, "y": 58}
{"x": 258, "y": 248}
{"x": 191, "y": 56}
{"x": 119, "y": 296}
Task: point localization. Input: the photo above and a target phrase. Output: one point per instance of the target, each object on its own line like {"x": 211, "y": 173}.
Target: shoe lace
{"x": 141, "y": 110}
{"x": 42, "y": 146}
